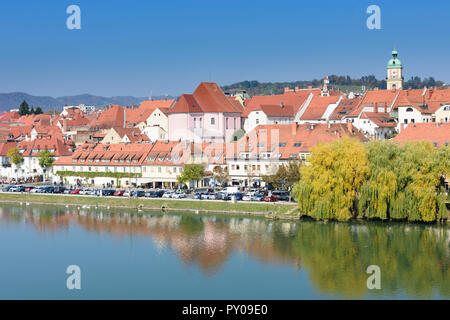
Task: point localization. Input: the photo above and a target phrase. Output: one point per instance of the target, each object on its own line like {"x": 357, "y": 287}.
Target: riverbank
{"x": 284, "y": 211}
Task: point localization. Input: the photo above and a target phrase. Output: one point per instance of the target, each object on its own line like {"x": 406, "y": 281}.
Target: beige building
{"x": 394, "y": 79}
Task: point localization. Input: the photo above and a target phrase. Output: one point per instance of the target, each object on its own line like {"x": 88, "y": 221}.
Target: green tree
{"x": 46, "y": 160}
{"x": 32, "y": 111}
{"x": 221, "y": 175}
{"x": 15, "y": 156}
{"x": 24, "y": 109}
{"x": 191, "y": 172}
{"x": 38, "y": 110}
{"x": 288, "y": 173}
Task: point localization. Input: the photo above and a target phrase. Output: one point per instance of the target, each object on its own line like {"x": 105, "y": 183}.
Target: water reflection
{"x": 414, "y": 259}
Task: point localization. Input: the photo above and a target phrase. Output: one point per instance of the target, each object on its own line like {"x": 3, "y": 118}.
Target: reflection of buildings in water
{"x": 208, "y": 248}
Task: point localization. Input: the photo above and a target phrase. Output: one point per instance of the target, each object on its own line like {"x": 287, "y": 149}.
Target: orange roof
{"x": 208, "y": 97}
{"x": 345, "y": 107}
{"x": 288, "y": 140}
{"x": 277, "y": 110}
{"x": 317, "y": 107}
{"x": 9, "y": 116}
{"x": 437, "y": 133}
{"x": 294, "y": 99}
{"x": 111, "y": 117}
{"x": 6, "y": 146}
{"x": 153, "y": 104}
{"x": 379, "y": 97}
{"x": 33, "y": 147}
{"x": 381, "y": 119}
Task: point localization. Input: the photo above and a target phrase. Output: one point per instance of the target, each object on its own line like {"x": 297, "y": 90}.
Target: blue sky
{"x": 136, "y": 47}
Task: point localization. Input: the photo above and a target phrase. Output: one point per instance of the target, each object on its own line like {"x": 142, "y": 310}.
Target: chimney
{"x": 349, "y": 126}
{"x": 376, "y": 107}
{"x": 294, "y": 128}
{"x": 385, "y": 107}
{"x": 281, "y": 104}
{"x": 430, "y": 92}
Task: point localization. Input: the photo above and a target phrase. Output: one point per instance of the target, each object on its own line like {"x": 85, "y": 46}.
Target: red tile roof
{"x": 437, "y": 133}
{"x": 379, "y": 97}
{"x": 291, "y": 139}
{"x": 294, "y": 99}
{"x": 346, "y": 106}
{"x": 317, "y": 107}
{"x": 6, "y": 146}
{"x": 381, "y": 119}
{"x": 208, "y": 97}
{"x": 34, "y": 147}
{"x": 111, "y": 117}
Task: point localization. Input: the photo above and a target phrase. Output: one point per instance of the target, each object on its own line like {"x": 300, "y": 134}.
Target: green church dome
{"x": 394, "y": 62}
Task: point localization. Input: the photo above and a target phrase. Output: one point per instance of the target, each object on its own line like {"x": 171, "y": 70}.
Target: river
{"x": 131, "y": 255}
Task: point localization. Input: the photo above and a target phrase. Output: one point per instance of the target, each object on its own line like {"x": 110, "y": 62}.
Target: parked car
{"x": 238, "y": 196}
{"x": 107, "y": 192}
{"x": 179, "y": 195}
{"x": 167, "y": 194}
{"x": 196, "y": 195}
{"x": 271, "y": 198}
{"x": 59, "y": 190}
{"x": 257, "y": 197}
{"x": 138, "y": 193}
{"x": 6, "y": 189}
{"x": 17, "y": 189}
{"x": 37, "y": 190}
{"x": 119, "y": 193}
{"x": 248, "y": 196}
{"x": 281, "y": 195}
{"x": 75, "y": 191}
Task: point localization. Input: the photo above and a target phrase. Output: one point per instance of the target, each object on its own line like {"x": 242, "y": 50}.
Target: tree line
{"x": 381, "y": 180}
{"x": 24, "y": 109}
{"x": 369, "y": 82}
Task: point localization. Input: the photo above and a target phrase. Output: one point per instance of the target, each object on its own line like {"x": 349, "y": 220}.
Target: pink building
{"x": 205, "y": 115}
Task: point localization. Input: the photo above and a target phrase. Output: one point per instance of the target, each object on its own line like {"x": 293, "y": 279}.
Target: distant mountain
{"x": 13, "y": 100}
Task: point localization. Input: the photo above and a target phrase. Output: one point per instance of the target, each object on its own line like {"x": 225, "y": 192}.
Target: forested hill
{"x": 345, "y": 83}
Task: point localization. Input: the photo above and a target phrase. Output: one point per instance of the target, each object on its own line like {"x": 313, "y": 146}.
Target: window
{"x": 195, "y": 123}
{"x": 234, "y": 127}
{"x": 413, "y": 120}
{"x": 297, "y": 144}
{"x": 409, "y": 110}
{"x": 406, "y": 121}
{"x": 213, "y": 121}
{"x": 226, "y": 123}
{"x": 282, "y": 144}
{"x": 200, "y": 122}
{"x": 159, "y": 169}
{"x": 257, "y": 121}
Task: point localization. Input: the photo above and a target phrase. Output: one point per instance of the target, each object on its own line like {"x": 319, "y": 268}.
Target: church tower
{"x": 394, "y": 79}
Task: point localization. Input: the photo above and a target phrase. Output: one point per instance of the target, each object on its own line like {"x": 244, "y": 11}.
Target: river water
{"x": 128, "y": 255}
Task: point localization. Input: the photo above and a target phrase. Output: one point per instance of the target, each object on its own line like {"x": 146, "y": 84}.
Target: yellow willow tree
{"x": 332, "y": 179}
{"x": 405, "y": 182}
{"x": 378, "y": 193}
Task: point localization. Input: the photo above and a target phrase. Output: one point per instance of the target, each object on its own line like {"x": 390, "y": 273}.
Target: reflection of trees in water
{"x": 413, "y": 258}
